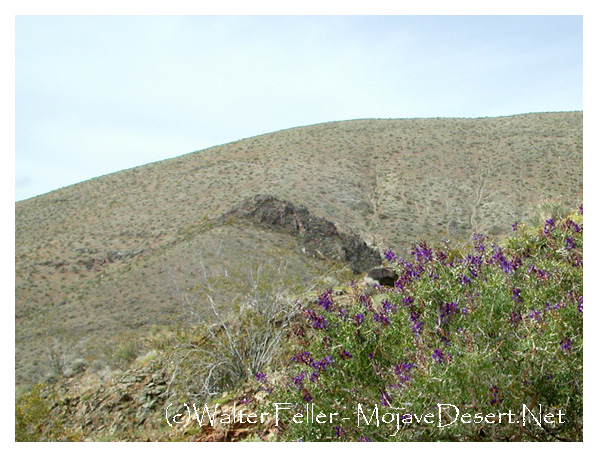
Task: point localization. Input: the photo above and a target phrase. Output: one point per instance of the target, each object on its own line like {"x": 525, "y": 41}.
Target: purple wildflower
{"x": 550, "y": 307}
{"x": 260, "y": 376}
{"x": 381, "y": 317}
{"x": 500, "y": 260}
{"x": 317, "y": 321}
{"x": 477, "y": 240}
{"x": 574, "y": 226}
{"x": 344, "y": 354}
{"x": 358, "y": 319}
{"x": 515, "y": 317}
{"x": 446, "y": 311}
{"x": 566, "y": 345}
{"x": 402, "y": 370}
{"x": 416, "y": 323}
{"x": 303, "y": 357}
{"x": 299, "y": 380}
{"x": 516, "y": 295}
{"x": 439, "y": 356}
{"x": 534, "y": 314}
{"x": 321, "y": 365}
{"x": 407, "y": 301}
{"x": 389, "y": 307}
{"x": 390, "y": 256}
{"x": 514, "y": 226}
{"x": 325, "y": 300}
{"x": 570, "y": 244}
{"x": 366, "y": 301}
{"x": 422, "y": 252}
{"x": 495, "y": 395}
{"x": 549, "y": 226}
{"x": 339, "y": 431}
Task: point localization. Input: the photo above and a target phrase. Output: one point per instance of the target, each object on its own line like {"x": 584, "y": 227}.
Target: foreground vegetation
{"x": 497, "y": 329}
{"x": 492, "y": 332}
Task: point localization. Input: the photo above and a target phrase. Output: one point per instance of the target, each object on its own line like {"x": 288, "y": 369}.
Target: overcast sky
{"x": 98, "y": 94}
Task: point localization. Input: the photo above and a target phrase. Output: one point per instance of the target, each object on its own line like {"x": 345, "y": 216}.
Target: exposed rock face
{"x": 318, "y": 235}
{"x": 384, "y": 276}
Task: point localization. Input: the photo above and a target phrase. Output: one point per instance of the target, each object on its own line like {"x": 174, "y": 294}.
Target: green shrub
{"x": 495, "y": 330}
{"x": 33, "y": 419}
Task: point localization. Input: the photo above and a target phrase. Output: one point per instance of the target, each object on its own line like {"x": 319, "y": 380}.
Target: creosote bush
{"x": 496, "y": 329}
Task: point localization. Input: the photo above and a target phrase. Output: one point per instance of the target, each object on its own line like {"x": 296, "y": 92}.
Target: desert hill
{"x": 98, "y": 263}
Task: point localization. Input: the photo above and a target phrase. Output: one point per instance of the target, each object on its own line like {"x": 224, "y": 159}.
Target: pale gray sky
{"x": 98, "y": 94}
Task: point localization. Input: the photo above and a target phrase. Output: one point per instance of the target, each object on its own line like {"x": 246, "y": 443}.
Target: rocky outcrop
{"x": 319, "y": 236}
{"x": 384, "y": 276}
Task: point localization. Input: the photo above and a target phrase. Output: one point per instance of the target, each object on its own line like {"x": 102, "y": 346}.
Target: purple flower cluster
{"x": 464, "y": 280}
{"x": 515, "y": 317}
{"x": 474, "y": 263}
{"x": 566, "y": 345}
{"x": 303, "y": 357}
{"x": 549, "y": 226}
{"x": 321, "y": 365}
{"x": 325, "y": 300}
{"x": 298, "y": 380}
{"x": 478, "y": 242}
{"x": 417, "y": 324}
{"x": 550, "y": 307}
{"x": 534, "y": 314}
{"x": 516, "y": 295}
{"x": 499, "y": 259}
{"x": 439, "y": 356}
{"x": 316, "y": 320}
{"x": 382, "y": 317}
{"x": 388, "y": 306}
{"x": 339, "y": 431}
{"x": 358, "y": 319}
{"x": 495, "y": 398}
{"x": 422, "y": 253}
{"x": 407, "y": 301}
{"x": 261, "y": 377}
{"x": 574, "y": 226}
{"x": 402, "y": 370}
{"x": 539, "y": 274}
{"x": 390, "y": 256}
{"x": 344, "y": 354}
{"x": 446, "y": 310}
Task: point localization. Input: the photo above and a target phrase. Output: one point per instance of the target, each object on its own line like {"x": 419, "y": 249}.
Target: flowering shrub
{"x": 492, "y": 330}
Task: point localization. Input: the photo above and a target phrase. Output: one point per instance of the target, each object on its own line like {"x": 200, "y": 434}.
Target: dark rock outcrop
{"x": 319, "y": 236}
{"x": 384, "y": 276}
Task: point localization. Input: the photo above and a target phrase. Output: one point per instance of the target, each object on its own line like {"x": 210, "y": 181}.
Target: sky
{"x": 99, "y": 94}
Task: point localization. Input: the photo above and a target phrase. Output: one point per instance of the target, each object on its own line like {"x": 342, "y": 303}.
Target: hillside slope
{"x": 111, "y": 256}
